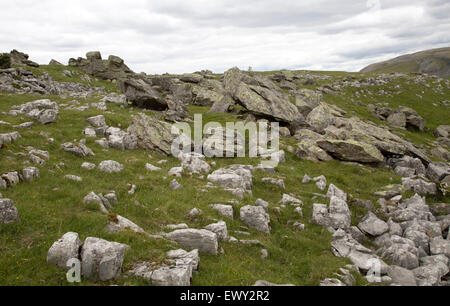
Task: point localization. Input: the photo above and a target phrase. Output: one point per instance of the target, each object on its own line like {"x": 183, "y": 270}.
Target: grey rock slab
{"x": 8, "y": 212}
{"x": 256, "y": 217}
{"x": 203, "y": 240}
{"x": 102, "y": 260}
{"x": 373, "y": 226}
{"x": 66, "y": 248}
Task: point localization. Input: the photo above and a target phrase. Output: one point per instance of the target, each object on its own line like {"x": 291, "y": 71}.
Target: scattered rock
{"x": 150, "y": 167}
{"x": 110, "y": 166}
{"x": 30, "y": 174}
{"x": 332, "y": 282}
{"x": 256, "y": 217}
{"x": 194, "y": 163}
{"x": 263, "y": 204}
{"x": 194, "y": 213}
{"x": 321, "y": 182}
{"x": 81, "y": 150}
{"x": 176, "y": 171}
{"x": 102, "y": 260}
{"x": 333, "y": 191}
{"x": 88, "y": 166}
{"x": 66, "y": 248}
{"x": 73, "y": 178}
{"x": 279, "y": 183}
{"x": 119, "y": 223}
{"x": 174, "y": 185}
{"x": 287, "y": 199}
{"x": 203, "y": 240}
{"x": 8, "y": 212}
{"x": 220, "y": 229}
{"x": 225, "y": 211}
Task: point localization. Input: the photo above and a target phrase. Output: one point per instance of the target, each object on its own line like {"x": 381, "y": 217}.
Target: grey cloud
{"x": 184, "y": 36}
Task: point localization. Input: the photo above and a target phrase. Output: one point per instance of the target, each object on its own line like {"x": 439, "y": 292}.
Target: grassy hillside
{"x": 52, "y": 205}
{"x": 436, "y": 61}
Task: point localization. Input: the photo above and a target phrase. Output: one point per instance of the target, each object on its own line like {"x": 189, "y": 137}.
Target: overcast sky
{"x": 179, "y": 36}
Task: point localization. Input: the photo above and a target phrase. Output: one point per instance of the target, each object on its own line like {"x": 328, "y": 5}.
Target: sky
{"x": 180, "y": 36}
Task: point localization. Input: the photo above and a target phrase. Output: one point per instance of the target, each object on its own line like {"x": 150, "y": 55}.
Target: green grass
{"x": 52, "y": 206}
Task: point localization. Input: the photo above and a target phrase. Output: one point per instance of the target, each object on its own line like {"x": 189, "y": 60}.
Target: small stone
{"x": 8, "y": 212}
{"x": 73, "y": 178}
{"x": 177, "y": 172}
{"x": 321, "y": 182}
{"x": 110, "y": 166}
{"x": 287, "y": 199}
{"x": 256, "y": 218}
{"x": 150, "y": 167}
{"x": 225, "y": 211}
{"x": 264, "y": 254}
{"x": 306, "y": 179}
{"x": 194, "y": 213}
{"x": 220, "y": 229}
{"x": 174, "y": 185}
{"x": 30, "y": 174}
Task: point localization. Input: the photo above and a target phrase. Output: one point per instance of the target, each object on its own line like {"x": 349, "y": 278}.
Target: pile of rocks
{"x": 44, "y": 111}
{"x": 236, "y": 179}
{"x": 402, "y": 117}
{"x": 117, "y": 138}
{"x": 12, "y": 178}
{"x": 80, "y": 150}
{"x": 9, "y": 138}
{"x": 412, "y": 240}
{"x": 112, "y": 69}
{"x": 21, "y": 81}
{"x": 104, "y": 202}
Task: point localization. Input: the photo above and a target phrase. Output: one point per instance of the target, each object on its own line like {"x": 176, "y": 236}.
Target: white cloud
{"x": 184, "y": 36}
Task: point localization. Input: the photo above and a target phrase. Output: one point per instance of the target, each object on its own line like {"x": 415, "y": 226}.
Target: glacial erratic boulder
{"x": 44, "y": 111}
{"x": 152, "y": 134}
{"x": 142, "y": 95}
{"x": 111, "y": 69}
{"x": 350, "y": 150}
{"x": 259, "y": 95}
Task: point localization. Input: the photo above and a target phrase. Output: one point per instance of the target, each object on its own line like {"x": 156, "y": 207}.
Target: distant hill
{"x": 435, "y": 61}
